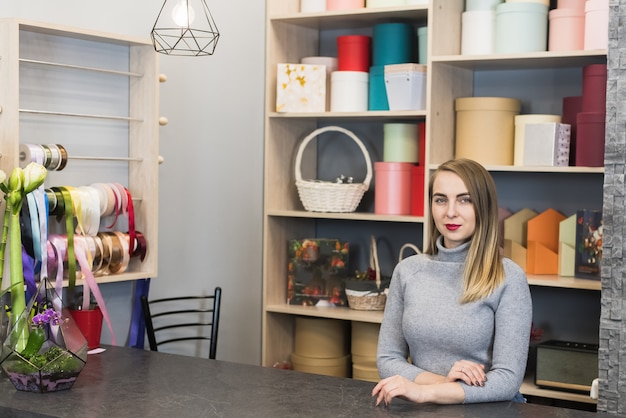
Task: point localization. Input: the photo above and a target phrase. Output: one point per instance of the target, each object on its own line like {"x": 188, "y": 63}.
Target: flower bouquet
{"x": 43, "y": 350}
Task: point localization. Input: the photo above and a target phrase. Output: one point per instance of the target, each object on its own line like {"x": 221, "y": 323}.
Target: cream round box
{"x": 339, "y": 366}
{"x": 349, "y": 91}
{"x": 312, "y": 6}
{"x": 485, "y": 129}
{"x": 384, "y": 3}
{"x": 364, "y": 341}
{"x": 320, "y": 338}
{"x": 366, "y": 371}
{"x": 520, "y": 122}
{"x": 478, "y": 29}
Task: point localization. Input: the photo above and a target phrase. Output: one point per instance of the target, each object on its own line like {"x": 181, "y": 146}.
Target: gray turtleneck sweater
{"x": 423, "y": 319}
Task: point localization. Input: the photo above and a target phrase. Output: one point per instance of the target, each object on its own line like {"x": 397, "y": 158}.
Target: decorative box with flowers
{"x": 316, "y": 272}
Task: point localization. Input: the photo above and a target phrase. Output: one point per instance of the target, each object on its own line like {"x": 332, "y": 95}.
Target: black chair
{"x": 192, "y": 312}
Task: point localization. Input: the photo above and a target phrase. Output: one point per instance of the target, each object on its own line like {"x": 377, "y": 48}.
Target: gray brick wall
{"x": 612, "y": 352}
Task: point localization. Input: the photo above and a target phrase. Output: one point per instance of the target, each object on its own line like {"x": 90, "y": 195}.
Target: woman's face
{"x": 452, "y": 209}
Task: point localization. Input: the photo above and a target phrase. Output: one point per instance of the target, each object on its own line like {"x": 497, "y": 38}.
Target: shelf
{"x": 530, "y": 389}
{"x": 534, "y": 60}
{"x": 354, "y": 216}
{"x": 538, "y": 169}
{"x": 350, "y": 19}
{"x": 564, "y": 282}
{"x": 345, "y": 314}
{"x": 80, "y": 67}
{"x": 372, "y": 114}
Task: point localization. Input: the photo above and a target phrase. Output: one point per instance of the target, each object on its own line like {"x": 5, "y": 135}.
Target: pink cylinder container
{"x": 566, "y": 30}
{"x": 344, "y": 4}
{"x": 597, "y": 24}
{"x": 590, "y": 139}
{"x": 571, "y": 4}
{"x": 353, "y": 53}
{"x": 594, "y": 88}
{"x": 392, "y": 195}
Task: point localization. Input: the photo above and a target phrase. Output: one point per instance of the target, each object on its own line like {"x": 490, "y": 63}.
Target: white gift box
{"x": 547, "y": 144}
{"x": 300, "y": 88}
{"x": 406, "y": 86}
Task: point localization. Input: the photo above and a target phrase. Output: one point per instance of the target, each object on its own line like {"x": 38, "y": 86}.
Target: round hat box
{"x": 485, "y": 129}
{"x": 320, "y": 338}
{"x": 336, "y": 366}
{"x": 365, "y": 371}
{"x": 364, "y": 341}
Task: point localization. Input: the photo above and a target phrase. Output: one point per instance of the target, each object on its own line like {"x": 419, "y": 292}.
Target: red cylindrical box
{"x": 590, "y": 139}
{"x": 594, "y": 88}
{"x": 417, "y": 190}
{"x": 572, "y": 106}
{"x": 392, "y": 190}
{"x": 353, "y": 53}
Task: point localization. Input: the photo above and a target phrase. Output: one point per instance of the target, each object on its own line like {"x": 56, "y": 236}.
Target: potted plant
{"x": 43, "y": 350}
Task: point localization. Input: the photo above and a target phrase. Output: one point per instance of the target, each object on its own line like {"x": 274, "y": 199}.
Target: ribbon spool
{"x": 52, "y": 156}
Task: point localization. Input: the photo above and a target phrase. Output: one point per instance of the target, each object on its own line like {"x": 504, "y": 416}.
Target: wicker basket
{"x": 326, "y": 196}
{"x": 374, "y": 300}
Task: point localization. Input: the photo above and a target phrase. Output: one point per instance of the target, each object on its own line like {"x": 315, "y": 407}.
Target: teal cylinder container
{"x": 377, "y": 89}
{"x": 521, "y": 27}
{"x": 392, "y": 43}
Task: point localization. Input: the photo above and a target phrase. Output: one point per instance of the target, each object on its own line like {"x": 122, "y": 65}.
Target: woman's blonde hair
{"x": 483, "y": 271}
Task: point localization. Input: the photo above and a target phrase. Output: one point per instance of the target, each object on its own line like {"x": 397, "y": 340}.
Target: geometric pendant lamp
{"x": 185, "y": 27}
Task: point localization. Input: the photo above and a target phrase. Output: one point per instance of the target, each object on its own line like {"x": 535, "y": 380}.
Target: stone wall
{"x": 612, "y": 352}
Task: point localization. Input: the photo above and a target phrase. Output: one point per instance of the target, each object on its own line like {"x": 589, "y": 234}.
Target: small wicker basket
{"x": 326, "y": 196}
{"x": 369, "y": 300}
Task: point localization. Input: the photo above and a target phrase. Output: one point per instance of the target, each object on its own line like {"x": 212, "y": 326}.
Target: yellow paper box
{"x": 515, "y": 236}
{"x": 300, "y": 88}
{"x": 543, "y": 243}
{"x": 567, "y": 246}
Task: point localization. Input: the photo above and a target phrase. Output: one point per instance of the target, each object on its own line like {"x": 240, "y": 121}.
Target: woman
{"x": 460, "y": 312}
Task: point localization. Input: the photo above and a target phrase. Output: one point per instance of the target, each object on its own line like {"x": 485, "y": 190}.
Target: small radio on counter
{"x": 568, "y": 366}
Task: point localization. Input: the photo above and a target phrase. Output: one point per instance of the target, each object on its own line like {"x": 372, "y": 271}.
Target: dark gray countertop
{"x": 128, "y": 382}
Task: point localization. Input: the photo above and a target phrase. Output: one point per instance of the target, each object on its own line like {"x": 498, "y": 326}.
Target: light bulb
{"x": 183, "y": 14}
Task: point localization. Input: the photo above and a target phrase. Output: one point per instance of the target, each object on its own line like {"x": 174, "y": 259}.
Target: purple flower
{"x": 49, "y": 316}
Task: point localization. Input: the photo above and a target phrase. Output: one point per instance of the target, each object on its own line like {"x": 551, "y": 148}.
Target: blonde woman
{"x": 460, "y": 311}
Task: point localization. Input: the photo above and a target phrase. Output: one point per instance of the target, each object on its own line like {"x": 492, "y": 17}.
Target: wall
{"x": 612, "y": 367}
{"x": 210, "y": 208}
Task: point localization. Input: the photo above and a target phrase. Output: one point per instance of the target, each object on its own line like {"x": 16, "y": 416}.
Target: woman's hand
{"x": 397, "y": 387}
{"x": 469, "y": 372}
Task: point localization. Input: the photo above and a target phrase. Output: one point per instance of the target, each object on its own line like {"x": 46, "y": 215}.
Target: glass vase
{"x": 47, "y": 356}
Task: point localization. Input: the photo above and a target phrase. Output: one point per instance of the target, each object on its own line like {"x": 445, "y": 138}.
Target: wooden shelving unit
{"x": 291, "y": 36}
{"x": 96, "y": 94}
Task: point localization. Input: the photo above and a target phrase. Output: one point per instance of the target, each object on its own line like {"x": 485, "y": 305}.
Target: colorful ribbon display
{"x": 90, "y": 247}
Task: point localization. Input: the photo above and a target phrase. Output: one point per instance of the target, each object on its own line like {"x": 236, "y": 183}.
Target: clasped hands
{"x": 420, "y": 391}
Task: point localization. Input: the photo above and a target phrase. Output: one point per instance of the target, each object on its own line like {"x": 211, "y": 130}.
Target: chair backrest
{"x": 190, "y": 314}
